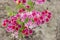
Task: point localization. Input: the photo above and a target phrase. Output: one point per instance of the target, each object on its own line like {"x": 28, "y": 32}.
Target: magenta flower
{"x": 21, "y": 10}
{"x": 39, "y": 1}
{"x": 9, "y": 29}
{"x": 27, "y": 32}
{"x": 27, "y": 6}
{"x": 24, "y": 1}
{"x": 20, "y": 1}
{"x": 4, "y": 23}
{"x": 29, "y": 23}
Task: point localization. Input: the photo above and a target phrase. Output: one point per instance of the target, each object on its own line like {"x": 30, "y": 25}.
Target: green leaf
{"x": 10, "y": 13}
{"x": 21, "y": 35}
{"x": 19, "y": 22}
{"x": 26, "y": 20}
{"x": 31, "y": 4}
{"x": 21, "y": 29}
{"x": 20, "y": 6}
{"x": 8, "y": 8}
{"x": 32, "y": 20}
{"x": 15, "y": 12}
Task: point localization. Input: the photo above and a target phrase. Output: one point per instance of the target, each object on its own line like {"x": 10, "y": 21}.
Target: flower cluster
{"x": 23, "y": 22}
{"x": 27, "y": 20}
{"x": 35, "y": 1}
{"x": 14, "y": 24}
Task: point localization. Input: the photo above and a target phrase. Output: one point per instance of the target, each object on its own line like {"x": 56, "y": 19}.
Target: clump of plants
{"x": 22, "y": 22}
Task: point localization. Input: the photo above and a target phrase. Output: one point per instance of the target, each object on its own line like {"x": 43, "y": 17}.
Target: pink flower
{"x": 35, "y": 19}
{"x": 17, "y": 1}
{"x": 16, "y": 34}
{"x": 20, "y": 1}
{"x": 30, "y": 16}
{"x": 9, "y": 29}
{"x": 41, "y": 17}
{"x": 34, "y": 13}
{"x": 21, "y": 10}
{"x": 27, "y": 6}
{"x": 39, "y": 1}
{"x": 23, "y": 1}
{"x": 38, "y": 22}
{"x": 27, "y": 32}
{"x": 18, "y": 15}
{"x": 29, "y": 23}
{"x": 46, "y": 16}
{"x": 4, "y": 23}
{"x": 23, "y": 17}
{"x": 47, "y": 20}
{"x": 34, "y": 25}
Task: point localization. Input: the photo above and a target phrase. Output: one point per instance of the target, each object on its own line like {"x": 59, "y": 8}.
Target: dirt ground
{"x": 48, "y": 31}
